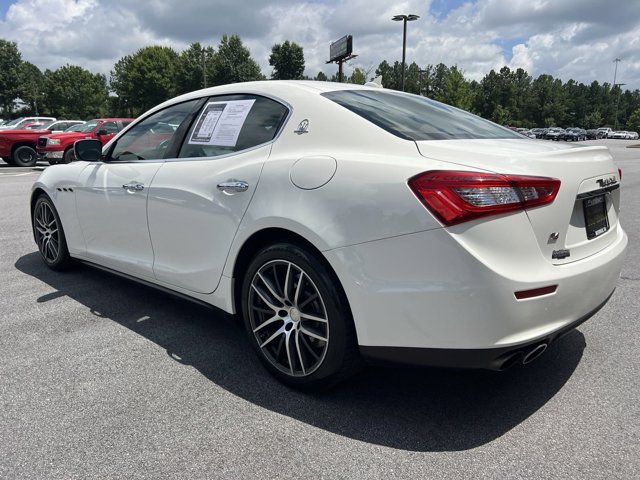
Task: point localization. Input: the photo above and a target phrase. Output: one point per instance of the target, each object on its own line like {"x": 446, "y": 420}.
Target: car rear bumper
{"x": 425, "y": 291}
{"x": 499, "y": 358}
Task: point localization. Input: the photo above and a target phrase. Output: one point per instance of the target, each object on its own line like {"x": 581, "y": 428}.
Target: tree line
{"x": 156, "y": 73}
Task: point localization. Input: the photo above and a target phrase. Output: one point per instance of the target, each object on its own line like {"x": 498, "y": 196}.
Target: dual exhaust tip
{"x": 523, "y": 357}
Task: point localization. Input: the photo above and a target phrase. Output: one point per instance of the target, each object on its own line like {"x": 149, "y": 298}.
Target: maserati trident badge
{"x": 553, "y": 238}
{"x": 303, "y": 127}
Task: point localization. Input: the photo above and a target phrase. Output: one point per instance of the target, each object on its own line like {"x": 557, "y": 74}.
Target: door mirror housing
{"x": 89, "y": 150}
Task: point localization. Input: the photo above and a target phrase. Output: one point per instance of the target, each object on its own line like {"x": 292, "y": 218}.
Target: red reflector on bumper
{"x": 536, "y": 292}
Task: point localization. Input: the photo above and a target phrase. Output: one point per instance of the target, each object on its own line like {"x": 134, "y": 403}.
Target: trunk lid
{"x": 589, "y": 182}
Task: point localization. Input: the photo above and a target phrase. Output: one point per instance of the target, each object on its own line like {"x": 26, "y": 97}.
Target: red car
{"x": 18, "y": 147}
{"x": 58, "y": 147}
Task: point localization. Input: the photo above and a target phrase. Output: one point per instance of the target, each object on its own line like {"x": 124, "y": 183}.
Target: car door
{"x": 112, "y": 202}
{"x": 197, "y": 200}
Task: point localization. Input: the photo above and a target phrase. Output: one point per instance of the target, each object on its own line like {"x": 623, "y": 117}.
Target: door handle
{"x": 135, "y": 186}
{"x": 233, "y": 186}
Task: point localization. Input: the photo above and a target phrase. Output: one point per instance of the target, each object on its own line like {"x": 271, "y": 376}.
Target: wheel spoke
{"x": 280, "y": 331}
{"x": 312, "y": 334}
{"x": 297, "y": 338}
{"x": 286, "y": 283}
{"x": 306, "y": 302}
{"x": 309, "y": 349}
{"x": 295, "y": 299}
{"x": 264, "y": 299}
{"x": 270, "y": 288}
{"x": 286, "y": 344}
{"x": 306, "y": 316}
{"x": 273, "y": 319}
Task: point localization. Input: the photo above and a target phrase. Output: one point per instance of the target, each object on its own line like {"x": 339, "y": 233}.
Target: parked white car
{"x": 23, "y": 122}
{"x": 342, "y": 222}
{"x": 620, "y": 134}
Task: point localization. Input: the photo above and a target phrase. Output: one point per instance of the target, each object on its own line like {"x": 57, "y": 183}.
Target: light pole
{"x": 204, "y": 66}
{"x": 615, "y": 120}
{"x": 404, "y": 19}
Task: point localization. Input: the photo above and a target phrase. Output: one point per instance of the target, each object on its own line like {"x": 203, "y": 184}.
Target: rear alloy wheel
{"x": 49, "y": 235}
{"x": 297, "y": 320}
{"x": 25, "y": 156}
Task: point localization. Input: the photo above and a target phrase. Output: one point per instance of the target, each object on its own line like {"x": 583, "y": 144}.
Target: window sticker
{"x": 220, "y": 123}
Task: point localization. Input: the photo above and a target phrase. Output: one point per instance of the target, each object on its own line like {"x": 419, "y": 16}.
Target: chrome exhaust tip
{"x": 534, "y": 353}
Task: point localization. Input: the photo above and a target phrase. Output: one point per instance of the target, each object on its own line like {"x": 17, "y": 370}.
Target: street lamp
{"x": 404, "y": 19}
{"x": 204, "y": 66}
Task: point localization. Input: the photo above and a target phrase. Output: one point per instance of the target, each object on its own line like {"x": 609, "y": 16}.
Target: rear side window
{"x": 232, "y": 123}
{"x": 417, "y": 118}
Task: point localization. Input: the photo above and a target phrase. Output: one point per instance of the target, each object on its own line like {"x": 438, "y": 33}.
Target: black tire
{"x": 8, "y": 161}
{"x": 69, "y": 156}
{"x": 298, "y": 319}
{"x": 49, "y": 234}
{"x": 53, "y": 161}
{"x": 24, "y": 156}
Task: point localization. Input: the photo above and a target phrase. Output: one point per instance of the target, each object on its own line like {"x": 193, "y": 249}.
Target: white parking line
{"x": 10, "y": 174}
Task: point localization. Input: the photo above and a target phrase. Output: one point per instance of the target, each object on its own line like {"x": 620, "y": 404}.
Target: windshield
{"x": 41, "y": 126}
{"x": 15, "y": 121}
{"x": 417, "y": 118}
{"x": 75, "y": 128}
{"x": 89, "y": 126}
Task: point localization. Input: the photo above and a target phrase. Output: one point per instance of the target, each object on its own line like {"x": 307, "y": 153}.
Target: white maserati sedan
{"x": 346, "y": 223}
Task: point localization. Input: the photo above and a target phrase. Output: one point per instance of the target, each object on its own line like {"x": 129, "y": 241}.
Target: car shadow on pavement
{"x": 414, "y": 409}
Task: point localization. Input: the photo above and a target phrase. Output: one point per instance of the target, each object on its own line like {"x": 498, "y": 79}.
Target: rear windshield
{"x": 413, "y": 117}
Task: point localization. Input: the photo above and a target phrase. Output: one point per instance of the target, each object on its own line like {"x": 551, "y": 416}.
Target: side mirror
{"x": 89, "y": 150}
{"x": 102, "y": 131}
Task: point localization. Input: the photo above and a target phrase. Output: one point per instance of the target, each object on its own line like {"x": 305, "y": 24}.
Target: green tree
{"x": 233, "y": 63}
{"x": 73, "y": 92}
{"x": 145, "y": 78}
{"x": 321, "y": 77}
{"x": 359, "y": 76}
{"x": 457, "y": 90}
{"x": 31, "y": 88}
{"x": 633, "y": 123}
{"x": 10, "y": 60}
{"x": 191, "y": 66}
{"x": 287, "y": 60}
{"x": 593, "y": 120}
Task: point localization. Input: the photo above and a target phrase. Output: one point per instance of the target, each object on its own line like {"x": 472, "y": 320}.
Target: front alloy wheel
{"x": 49, "y": 236}
{"x": 298, "y": 319}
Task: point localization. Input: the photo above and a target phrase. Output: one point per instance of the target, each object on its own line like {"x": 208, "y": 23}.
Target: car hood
{"x": 76, "y": 135}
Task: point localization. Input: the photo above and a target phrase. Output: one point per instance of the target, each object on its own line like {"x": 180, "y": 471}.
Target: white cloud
{"x": 570, "y": 39}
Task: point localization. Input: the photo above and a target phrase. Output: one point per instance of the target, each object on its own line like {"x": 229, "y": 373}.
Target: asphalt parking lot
{"x": 104, "y": 378}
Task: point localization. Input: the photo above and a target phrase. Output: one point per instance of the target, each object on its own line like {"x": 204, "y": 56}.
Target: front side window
{"x": 232, "y": 123}
{"x": 417, "y": 118}
{"x": 149, "y": 138}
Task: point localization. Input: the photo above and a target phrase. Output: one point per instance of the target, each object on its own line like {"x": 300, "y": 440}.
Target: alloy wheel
{"x": 288, "y": 318}
{"x": 47, "y": 232}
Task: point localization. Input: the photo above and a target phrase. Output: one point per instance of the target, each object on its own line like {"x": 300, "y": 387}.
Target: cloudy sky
{"x": 576, "y": 39}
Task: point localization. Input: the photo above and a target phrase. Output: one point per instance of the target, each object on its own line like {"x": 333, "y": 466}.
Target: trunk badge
{"x": 605, "y": 182}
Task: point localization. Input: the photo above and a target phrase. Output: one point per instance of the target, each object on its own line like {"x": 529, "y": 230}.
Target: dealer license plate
{"x": 595, "y": 216}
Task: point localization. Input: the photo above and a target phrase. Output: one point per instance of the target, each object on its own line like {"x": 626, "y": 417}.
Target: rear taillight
{"x": 456, "y": 196}
{"x": 620, "y": 174}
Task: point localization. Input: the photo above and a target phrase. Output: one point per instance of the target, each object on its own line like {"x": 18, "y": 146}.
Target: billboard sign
{"x": 341, "y": 48}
